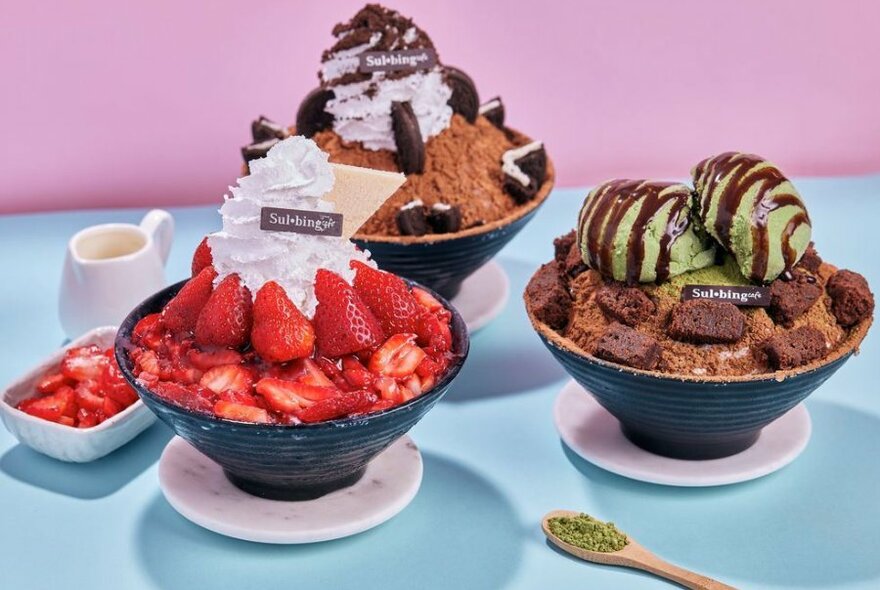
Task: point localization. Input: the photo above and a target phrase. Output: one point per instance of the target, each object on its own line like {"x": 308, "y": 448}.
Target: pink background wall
{"x": 108, "y": 103}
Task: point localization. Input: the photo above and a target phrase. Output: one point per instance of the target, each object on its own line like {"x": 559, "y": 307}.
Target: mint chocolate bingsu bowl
{"x": 698, "y": 317}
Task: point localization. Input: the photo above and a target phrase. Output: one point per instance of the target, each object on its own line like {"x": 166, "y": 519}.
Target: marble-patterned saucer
{"x": 196, "y": 487}
{"x": 483, "y": 296}
{"x": 595, "y": 435}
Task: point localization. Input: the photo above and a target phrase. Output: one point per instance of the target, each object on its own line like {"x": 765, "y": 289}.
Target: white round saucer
{"x": 483, "y": 296}
{"x": 196, "y": 487}
{"x": 594, "y": 434}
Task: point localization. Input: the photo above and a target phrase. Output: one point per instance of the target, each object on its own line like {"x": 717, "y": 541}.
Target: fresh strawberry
{"x": 182, "y": 312}
{"x": 238, "y": 397}
{"x": 227, "y": 317}
{"x": 342, "y": 404}
{"x": 51, "y": 382}
{"x": 148, "y": 362}
{"x": 387, "y": 388}
{"x": 332, "y": 371}
{"x": 343, "y": 322}
{"x": 84, "y": 362}
{"x": 148, "y": 331}
{"x": 303, "y": 370}
{"x": 382, "y": 404}
{"x": 289, "y": 396}
{"x": 86, "y": 418}
{"x": 88, "y": 397}
{"x": 235, "y": 378}
{"x": 434, "y": 333}
{"x": 213, "y": 357}
{"x": 186, "y": 374}
{"x": 114, "y": 385}
{"x": 355, "y": 374}
{"x": 67, "y": 421}
{"x": 194, "y": 397}
{"x": 388, "y": 297}
{"x": 398, "y": 357}
{"x": 413, "y": 385}
{"x": 202, "y": 257}
{"x": 427, "y": 300}
{"x": 281, "y": 332}
{"x": 241, "y": 412}
{"x": 51, "y": 407}
{"x": 111, "y": 408}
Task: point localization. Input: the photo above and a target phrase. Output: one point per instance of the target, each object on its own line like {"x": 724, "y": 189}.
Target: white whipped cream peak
{"x": 295, "y": 174}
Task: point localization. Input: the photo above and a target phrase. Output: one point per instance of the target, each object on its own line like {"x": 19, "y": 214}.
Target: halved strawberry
{"x": 388, "y": 297}
{"x": 281, "y": 332}
{"x": 434, "y": 333}
{"x": 289, "y": 396}
{"x": 235, "y": 378}
{"x": 427, "y": 300}
{"x": 202, "y": 257}
{"x": 193, "y": 397}
{"x": 51, "y": 382}
{"x": 51, "y": 407}
{"x": 148, "y": 331}
{"x": 342, "y": 404}
{"x": 182, "y": 312}
{"x": 213, "y": 357}
{"x": 226, "y": 318}
{"x": 343, "y": 322}
{"x": 398, "y": 357}
{"x": 84, "y": 362}
{"x": 241, "y": 412}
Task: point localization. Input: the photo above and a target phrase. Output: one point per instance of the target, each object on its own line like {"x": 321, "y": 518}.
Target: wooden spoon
{"x": 634, "y": 556}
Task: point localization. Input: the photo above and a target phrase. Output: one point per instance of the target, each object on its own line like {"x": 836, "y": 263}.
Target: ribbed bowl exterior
{"x": 288, "y": 462}
{"x": 690, "y": 419}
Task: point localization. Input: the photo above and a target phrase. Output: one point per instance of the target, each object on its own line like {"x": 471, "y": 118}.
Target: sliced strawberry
{"x": 238, "y": 397}
{"x": 235, "y": 378}
{"x": 194, "y": 397}
{"x": 52, "y": 382}
{"x": 388, "y": 297}
{"x": 67, "y": 421}
{"x": 434, "y": 334}
{"x": 413, "y": 385}
{"x": 342, "y": 404}
{"x": 148, "y": 331}
{"x": 343, "y": 322}
{"x": 281, "y": 332}
{"x": 388, "y": 389}
{"x": 111, "y": 408}
{"x": 332, "y": 371}
{"x": 427, "y": 300}
{"x": 289, "y": 396}
{"x": 227, "y": 317}
{"x": 303, "y": 370}
{"x": 86, "y": 418}
{"x": 88, "y": 397}
{"x": 51, "y": 407}
{"x": 84, "y": 362}
{"x": 398, "y": 357}
{"x": 186, "y": 374}
{"x": 202, "y": 257}
{"x": 213, "y": 357}
{"x": 241, "y": 412}
{"x": 182, "y": 312}
{"x": 114, "y": 385}
{"x": 382, "y": 404}
{"x": 148, "y": 362}
{"x": 356, "y": 374}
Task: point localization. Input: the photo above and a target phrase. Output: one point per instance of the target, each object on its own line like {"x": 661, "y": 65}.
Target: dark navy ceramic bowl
{"x": 688, "y": 417}
{"x": 288, "y": 462}
{"x": 443, "y": 261}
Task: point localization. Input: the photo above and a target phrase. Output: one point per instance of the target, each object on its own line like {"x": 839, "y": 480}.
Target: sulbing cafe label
{"x": 405, "y": 60}
{"x": 313, "y": 223}
{"x": 748, "y": 296}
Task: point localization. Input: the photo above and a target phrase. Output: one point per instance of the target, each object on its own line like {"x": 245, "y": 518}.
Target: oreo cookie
{"x": 412, "y": 219}
{"x": 444, "y": 218}
{"x": 263, "y": 129}
{"x": 258, "y": 149}
{"x": 311, "y": 116}
{"x": 464, "y": 100}
{"x": 524, "y": 169}
{"x": 408, "y": 138}
{"x": 494, "y": 112}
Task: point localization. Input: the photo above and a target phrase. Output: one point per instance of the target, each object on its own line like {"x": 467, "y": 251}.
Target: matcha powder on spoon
{"x": 586, "y": 532}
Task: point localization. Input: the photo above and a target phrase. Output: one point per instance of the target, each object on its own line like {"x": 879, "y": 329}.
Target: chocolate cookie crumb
{"x": 701, "y": 321}
{"x": 626, "y": 346}
{"x": 562, "y": 246}
{"x": 627, "y": 305}
{"x": 548, "y": 297}
{"x": 851, "y": 298}
{"x": 794, "y": 348}
{"x": 810, "y": 261}
{"x": 790, "y": 299}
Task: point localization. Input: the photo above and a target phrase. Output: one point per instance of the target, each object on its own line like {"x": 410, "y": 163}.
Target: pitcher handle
{"x": 159, "y": 224}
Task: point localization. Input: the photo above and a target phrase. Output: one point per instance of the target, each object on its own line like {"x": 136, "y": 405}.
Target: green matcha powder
{"x": 586, "y": 532}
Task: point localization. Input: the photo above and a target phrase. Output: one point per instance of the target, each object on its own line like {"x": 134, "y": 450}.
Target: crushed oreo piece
{"x": 810, "y": 261}
{"x": 625, "y": 346}
{"x": 444, "y": 218}
{"x": 412, "y": 220}
{"x": 548, "y": 297}
{"x": 311, "y": 116}
{"x": 464, "y": 100}
{"x": 407, "y": 138}
{"x": 791, "y": 299}
{"x": 794, "y": 348}
{"x": 562, "y": 246}
{"x": 627, "y": 305}
{"x": 263, "y": 129}
{"x": 525, "y": 169}
{"x": 258, "y": 150}
{"x": 851, "y": 298}
{"x": 493, "y": 111}
{"x": 574, "y": 263}
{"x": 703, "y": 321}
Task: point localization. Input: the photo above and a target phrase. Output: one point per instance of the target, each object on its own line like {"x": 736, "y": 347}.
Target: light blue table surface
{"x": 493, "y": 461}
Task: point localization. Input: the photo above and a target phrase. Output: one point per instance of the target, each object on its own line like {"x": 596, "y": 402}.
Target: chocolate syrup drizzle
{"x": 609, "y": 204}
{"x": 744, "y": 172}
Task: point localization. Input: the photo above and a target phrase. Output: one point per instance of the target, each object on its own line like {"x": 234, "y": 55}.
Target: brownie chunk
{"x": 794, "y": 348}
{"x": 627, "y": 305}
{"x": 851, "y": 298}
{"x": 810, "y": 261}
{"x": 548, "y": 297}
{"x": 574, "y": 262}
{"x": 701, "y": 321}
{"x": 627, "y": 346}
{"x": 790, "y": 299}
{"x": 562, "y": 246}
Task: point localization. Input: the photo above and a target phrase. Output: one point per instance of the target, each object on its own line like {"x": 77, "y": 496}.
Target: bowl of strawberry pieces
{"x": 292, "y": 408}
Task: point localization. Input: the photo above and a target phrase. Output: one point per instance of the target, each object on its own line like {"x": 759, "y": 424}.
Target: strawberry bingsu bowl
{"x": 287, "y": 357}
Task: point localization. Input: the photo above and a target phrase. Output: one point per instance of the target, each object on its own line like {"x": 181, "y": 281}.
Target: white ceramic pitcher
{"x": 110, "y": 268}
